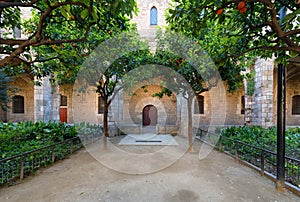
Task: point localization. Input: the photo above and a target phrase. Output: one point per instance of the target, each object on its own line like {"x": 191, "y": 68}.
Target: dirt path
{"x": 82, "y": 178}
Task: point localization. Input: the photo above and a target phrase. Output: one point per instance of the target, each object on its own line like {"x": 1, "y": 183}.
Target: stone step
{"x": 149, "y": 130}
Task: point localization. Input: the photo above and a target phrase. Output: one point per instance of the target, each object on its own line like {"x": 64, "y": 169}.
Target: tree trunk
{"x": 105, "y": 125}
{"x": 105, "y": 119}
{"x": 190, "y": 125}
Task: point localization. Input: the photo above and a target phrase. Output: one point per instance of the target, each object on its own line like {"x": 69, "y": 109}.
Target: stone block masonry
{"x": 262, "y": 102}
{"x": 46, "y": 102}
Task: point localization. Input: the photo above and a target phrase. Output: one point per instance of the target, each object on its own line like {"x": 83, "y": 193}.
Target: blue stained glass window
{"x": 153, "y": 16}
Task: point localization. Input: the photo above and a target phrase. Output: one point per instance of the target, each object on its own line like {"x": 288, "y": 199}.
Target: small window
{"x": 296, "y": 104}
{"x": 17, "y": 32}
{"x": 100, "y": 105}
{"x": 63, "y": 100}
{"x": 18, "y": 104}
{"x": 153, "y": 16}
{"x": 243, "y": 105}
{"x": 199, "y": 105}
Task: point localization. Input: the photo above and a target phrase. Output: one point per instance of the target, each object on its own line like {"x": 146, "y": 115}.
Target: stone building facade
{"x": 130, "y": 112}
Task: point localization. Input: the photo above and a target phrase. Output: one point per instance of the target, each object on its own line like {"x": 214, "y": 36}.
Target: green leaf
{"x": 84, "y": 13}
{"x": 64, "y": 12}
{"x": 95, "y": 16}
{"x": 289, "y": 16}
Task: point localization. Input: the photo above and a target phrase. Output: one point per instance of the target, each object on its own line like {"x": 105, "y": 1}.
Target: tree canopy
{"x": 233, "y": 28}
{"x": 58, "y": 25}
{"x": 57, "y": 35}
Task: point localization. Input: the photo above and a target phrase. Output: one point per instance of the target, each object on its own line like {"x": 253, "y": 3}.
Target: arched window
{"x": 296, "y": 104}
{"x": 199, "y": 105}
{"x": 100, "y": 105}
{"x": 153, "y": 16}
{"x": 243, "y": 105}
{"x": 18, "y": 104}
{"x": 63, "y": 100}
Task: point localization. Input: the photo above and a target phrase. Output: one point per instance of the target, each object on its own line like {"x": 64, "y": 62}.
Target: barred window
{"x": 18, "y": 104}
{"x": 63, "y": 100}
{"x": 153, "y": 16}
{"x": 296, "y": 104}
{"x": 199, "y": 105}
{"x": 100, "y": 105}
{"x": 243, "y": 105}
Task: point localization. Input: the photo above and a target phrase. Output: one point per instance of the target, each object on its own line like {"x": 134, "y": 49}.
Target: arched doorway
{"x": 149, "y": 115}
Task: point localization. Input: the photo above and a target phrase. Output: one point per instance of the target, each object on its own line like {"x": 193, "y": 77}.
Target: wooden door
{"x": 63, "y": 115}
{"x": 149, "y": 115}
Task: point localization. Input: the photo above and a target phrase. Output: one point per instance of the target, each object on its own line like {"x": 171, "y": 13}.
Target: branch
{"x": 292, "y": 32}
{"x": 114, "y": 95}
{"x": 12, "y": 42}
{"x": 19, "y": 4}
{"x": 35, "y": 42}
{"x": 44, "y": 60}
{"x": 272, "y": 48}
{"x": 266, "y": 38}
{"x": 50, "y": 42}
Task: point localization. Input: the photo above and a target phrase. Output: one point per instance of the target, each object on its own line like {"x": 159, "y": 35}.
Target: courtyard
{"x": 82, "y": 178}
{"x": 99, "y": 74}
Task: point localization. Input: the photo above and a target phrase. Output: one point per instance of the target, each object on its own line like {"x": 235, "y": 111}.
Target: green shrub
{"x": 25, "y": 136}
{"x": 265, "y": 138}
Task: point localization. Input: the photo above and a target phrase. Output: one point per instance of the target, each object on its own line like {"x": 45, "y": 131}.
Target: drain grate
{"x": 148, "y": 141}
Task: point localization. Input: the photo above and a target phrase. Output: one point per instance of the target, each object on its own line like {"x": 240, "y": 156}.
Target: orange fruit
{"x": 241, "y": 5}
{"x": 243, "y": 10}
{"x": 219, "y": 11}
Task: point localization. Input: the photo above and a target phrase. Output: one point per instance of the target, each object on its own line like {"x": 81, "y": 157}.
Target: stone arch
{"x": 24, "y": 87}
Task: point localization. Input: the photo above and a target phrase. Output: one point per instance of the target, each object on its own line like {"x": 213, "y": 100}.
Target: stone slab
{"x": 148, "y": 139}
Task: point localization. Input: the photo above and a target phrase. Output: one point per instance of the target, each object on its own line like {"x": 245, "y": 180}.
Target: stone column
{"x": 46, "y": 101}
{"x": 262, "y": 100}
{"x": 182, "y": 111}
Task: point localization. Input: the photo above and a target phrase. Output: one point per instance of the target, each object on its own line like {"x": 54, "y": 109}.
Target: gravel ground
{"x": 83, "y": 178}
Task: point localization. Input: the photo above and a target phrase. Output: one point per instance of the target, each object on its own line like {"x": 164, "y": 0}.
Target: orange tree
{"x": 105, "y": 68}
{"x": 58, "y": 35}
{"x": 232, "y": 31}
{"x": 229, "y": 29}
{"x": 56, "y": 23}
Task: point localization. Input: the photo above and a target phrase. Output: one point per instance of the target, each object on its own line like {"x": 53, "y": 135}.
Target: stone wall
{"x": 24, "y": 86}
{"x": 262, "y": 100}
{"x": 221, "y": 108}
{"x": 293, "y": 88}
{"x": 134, "y": 104}
{"x": 85, "y": 106}
{"x": 142, "y": 20}
{"x": 46, "y": 101}
{"x": 3, "y": 115}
